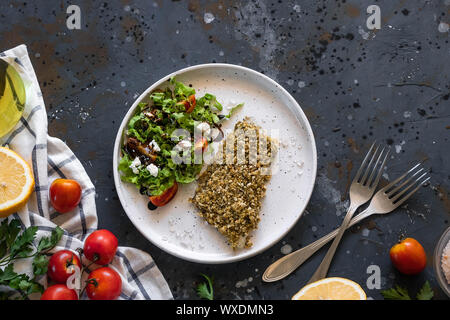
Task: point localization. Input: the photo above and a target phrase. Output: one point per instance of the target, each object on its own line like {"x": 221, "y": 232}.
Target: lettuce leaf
{"x": 156, "y": 120}
{"x": 187, "y": 173}
{"x": 156, "y": 185}
{"x": 228, "y": 116}
{"x": 210, "y": 101}
{"x": 181, "y": 91}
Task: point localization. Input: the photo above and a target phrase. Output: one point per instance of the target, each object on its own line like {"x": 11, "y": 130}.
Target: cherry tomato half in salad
{"x": 59, "y": 264}
{"x": 408, "y": 256}
{"x": 59, "y": 292}
{"x": 65, "y": 195}
{"x": 189, "y": 103}
{"x": 100, "y": 246}
{"x": 164, "y": 197}
{"x": 104, "y": 284}
{"x": 201, "y": 143}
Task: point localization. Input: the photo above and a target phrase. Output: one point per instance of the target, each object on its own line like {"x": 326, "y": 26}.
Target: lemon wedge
{"x": 16, "y": 182}
{"x": 331, "y": 289}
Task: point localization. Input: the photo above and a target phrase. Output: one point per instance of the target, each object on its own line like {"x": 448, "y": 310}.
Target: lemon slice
{"x": 331, "y": 289}
{"x": 16, "y": 182}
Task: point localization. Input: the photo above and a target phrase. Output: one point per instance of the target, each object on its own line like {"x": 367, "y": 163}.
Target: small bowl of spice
{"x": 442, "y": 261}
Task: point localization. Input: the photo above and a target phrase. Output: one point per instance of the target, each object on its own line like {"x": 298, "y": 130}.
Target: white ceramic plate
{"x": 176, "y": 228}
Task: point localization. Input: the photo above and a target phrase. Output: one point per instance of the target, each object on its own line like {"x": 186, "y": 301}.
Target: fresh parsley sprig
{"x": 15, "y": 245}
{"x": 205, "y": 290}
{"x": 20, "y": 282}
{"x": 400, "y": 293}
{"x": 426, "y": 293}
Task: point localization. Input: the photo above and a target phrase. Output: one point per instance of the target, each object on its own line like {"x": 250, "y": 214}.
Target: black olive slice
{"x": 151, "y": 206}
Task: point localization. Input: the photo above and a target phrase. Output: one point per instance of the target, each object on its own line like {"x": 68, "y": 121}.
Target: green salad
{"x": 164, "y": 128}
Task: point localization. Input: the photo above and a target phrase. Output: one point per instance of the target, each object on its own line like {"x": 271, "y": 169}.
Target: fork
{"x": 384, "y": 201}
{"x": 361, "y": 190}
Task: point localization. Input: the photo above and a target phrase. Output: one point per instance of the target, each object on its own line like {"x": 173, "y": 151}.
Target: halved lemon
{"x": 331, "y": 289}
{"x": 16, "y": 182}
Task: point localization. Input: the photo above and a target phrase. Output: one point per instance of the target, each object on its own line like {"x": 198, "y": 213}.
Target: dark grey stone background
{"x": 354, "y": 85}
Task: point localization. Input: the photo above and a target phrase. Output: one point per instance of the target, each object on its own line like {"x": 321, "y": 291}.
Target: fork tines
{"x": 374, "y": 165}
{"x": 413, "y": 178}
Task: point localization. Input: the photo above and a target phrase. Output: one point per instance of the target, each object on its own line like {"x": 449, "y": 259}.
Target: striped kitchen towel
{"x": 51, "y": 159}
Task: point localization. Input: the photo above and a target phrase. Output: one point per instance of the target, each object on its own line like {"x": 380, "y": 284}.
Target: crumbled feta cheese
{"x": 135, "y": 165}
{"x": 152, "y": 169}
{"x": 184, "y": 144}
{"x": 204, "y": 128}
{"x": 155, "y": 146}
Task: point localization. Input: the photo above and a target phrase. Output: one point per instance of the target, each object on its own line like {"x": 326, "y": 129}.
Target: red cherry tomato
{"x": 65, "y": 195}
{"x": 59, "y": 292}
{"x": 59, "y": 263}
{"x": 104, "y": 284}
{"x": 408, "y": 256}
{"x": 165, "y": 197}
{"x": 100, "y": 246}
{"x": 189, "y": 103}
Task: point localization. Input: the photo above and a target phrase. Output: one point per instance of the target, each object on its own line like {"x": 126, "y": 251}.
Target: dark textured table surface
{"x": 355, "y": 85}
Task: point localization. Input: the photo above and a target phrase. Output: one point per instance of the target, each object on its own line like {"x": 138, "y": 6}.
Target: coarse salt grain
{"x": 286, "y": 249}
{"x": 208, "y": 17}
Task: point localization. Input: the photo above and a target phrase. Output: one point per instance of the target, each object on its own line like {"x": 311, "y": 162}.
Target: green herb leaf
{"x": 18, "y": 281}
{"x": 210, "y": 102}
{"x": 23, "y": 283}
{"x": 205, "y": 290}
{"x": 397, "y": 293}
{"x": 9, "y": 232}
{"x": 181, "y": 91}
{"x": 3, "y": 229}
{"x": 47, "y": 243}
{"x": 14, "y": 246}
{"x": 426, "y": 293}
{"x": 233, "y": 110}
{"x": 22, "y": 245}
{"x": 3, "y": 249}
{"x": 7, "y": 274}
{"x": 400, "y": 293}
{"x": 40, "y": 264}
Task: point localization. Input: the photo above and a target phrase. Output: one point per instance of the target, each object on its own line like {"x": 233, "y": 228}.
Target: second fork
{"x": 361, "y": 190}
{"x": 384, "y": 201}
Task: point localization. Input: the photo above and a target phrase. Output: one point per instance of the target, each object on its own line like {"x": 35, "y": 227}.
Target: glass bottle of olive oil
{"x": 12, "y": 97}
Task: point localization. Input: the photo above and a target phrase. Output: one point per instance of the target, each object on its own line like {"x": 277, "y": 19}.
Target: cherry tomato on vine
{"x": 59, "y": 264}
{"x": 408, "y": 256}
{"x": 104, "y": 284}
{"x": 65, "y": 195}
{"x": 59, "y": 292}
{"x": 100, "y": 246}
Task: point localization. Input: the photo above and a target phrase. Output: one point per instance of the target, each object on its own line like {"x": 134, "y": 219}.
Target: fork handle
{"x": 322, "y": 270}
{"x": 287, "y": 264}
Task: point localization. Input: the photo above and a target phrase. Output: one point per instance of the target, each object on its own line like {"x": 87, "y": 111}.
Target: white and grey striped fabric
{"x": 50, "y": 159}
